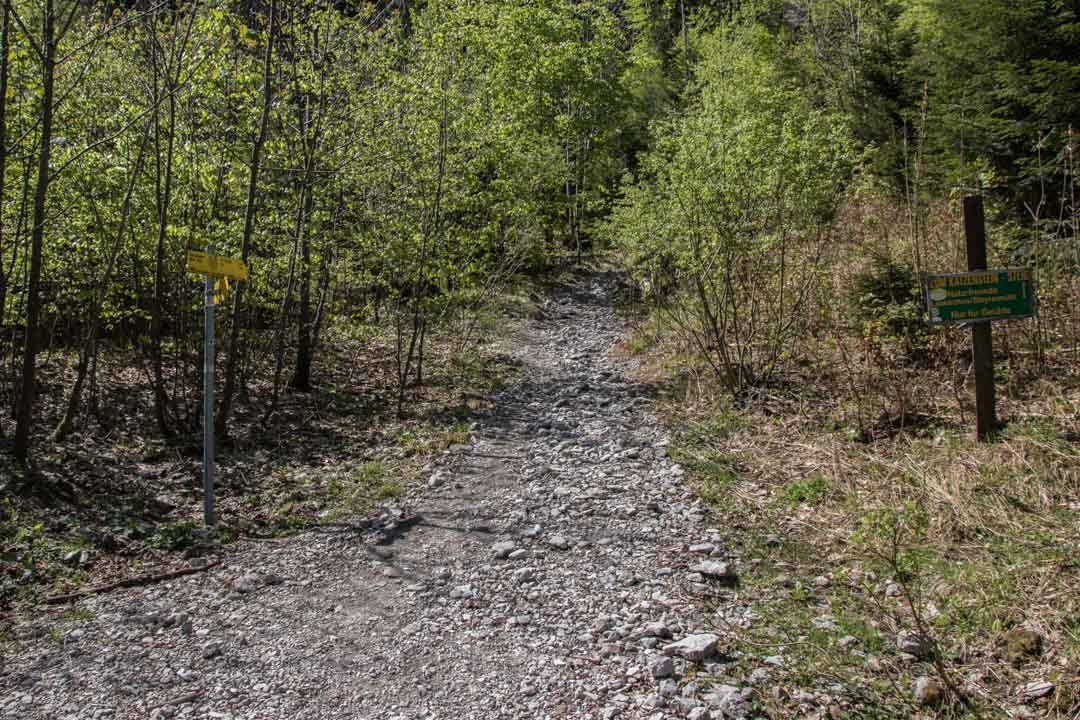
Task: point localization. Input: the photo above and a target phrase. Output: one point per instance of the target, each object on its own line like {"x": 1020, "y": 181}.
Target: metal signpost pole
{"x": 982, "y": 341}
{"x": 208, "y": 405}
{"x": 213, "y": 268}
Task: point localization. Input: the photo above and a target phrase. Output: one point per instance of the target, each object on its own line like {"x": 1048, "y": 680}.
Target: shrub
{"x": 887, "y": 300}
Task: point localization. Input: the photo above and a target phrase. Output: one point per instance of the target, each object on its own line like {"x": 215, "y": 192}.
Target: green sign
{"x": 996, "y": 294}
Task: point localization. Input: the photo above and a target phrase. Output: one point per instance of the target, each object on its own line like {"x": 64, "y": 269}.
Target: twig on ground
{"x": 181, "y": 700}
{"x": 129, "y": 582}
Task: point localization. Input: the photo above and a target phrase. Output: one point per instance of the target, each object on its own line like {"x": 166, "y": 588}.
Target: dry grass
{"x": 857, "y": 481}
{"x": 993, "y": 543}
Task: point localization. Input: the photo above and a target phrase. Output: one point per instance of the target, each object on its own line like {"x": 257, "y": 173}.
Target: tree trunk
{"x": 234, "y": 350}
{"x": 89, "y": 348}
{"x": 25, "y": 416}
{"x": 5, "y": 55}
{"x": 301, "y": 379}
{"x": 286, "y": 304}
{"x": 163, "y": 197}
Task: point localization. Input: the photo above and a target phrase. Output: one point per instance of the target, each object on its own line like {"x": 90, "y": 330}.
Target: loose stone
{"x": 661, "y": 667}
{"x": 694, "y": 647}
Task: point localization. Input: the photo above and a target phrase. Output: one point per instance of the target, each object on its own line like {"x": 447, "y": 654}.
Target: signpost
{"x": 208, "y": 264}
{"x": 212, "y": 266}
{"x": 979, "y": 297}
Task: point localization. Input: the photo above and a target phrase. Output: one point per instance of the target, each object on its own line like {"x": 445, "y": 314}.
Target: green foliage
{"x": 810, "y": 490}
{"x": 733, "y": 206}
{"x": 884, "y": 283}
{"x": 20, "y": 551}
{"x": 403, "y": 169}
{"x": 178, "y": 536}
{"x": 389, "y": 491}
{"x": 888, "y": 301}
{"x": 369, "y": 473}
{"x": 1003, "y": 78}
{"x": 894, "y": 540}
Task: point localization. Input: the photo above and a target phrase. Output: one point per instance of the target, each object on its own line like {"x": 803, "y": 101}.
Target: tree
{"x": 45, "y": 48}
{"x": 733, "y": 206}
{"x": 250, "y": 209}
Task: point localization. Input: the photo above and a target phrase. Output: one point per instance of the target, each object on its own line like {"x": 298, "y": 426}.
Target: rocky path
{"x": 551, "y": 568}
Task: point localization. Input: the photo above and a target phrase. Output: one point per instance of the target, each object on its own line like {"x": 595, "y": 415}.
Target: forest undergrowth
{"x": 885, "y": 544}
{"x": 114, "y": 500}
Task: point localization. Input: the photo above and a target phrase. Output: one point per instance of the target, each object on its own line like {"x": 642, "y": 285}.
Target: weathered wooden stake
{"x": 982, "y": 339}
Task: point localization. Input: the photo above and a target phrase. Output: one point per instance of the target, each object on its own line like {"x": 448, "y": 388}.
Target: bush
{"x": 887, "y": 300}
{"x": 735, "y": 204}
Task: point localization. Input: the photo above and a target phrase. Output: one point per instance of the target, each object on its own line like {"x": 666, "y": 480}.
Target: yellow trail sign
{"x": 218, "y": 265}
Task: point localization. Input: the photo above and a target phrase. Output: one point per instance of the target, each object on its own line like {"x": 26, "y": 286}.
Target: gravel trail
{"x": 548, "y": 569}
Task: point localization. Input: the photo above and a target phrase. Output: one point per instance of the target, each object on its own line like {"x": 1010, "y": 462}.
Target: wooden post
{"x": 982, "y": 340}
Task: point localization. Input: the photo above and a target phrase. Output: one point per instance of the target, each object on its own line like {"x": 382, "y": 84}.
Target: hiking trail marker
{"x": 979, "y": 297}
{"x": 218, "y": 270}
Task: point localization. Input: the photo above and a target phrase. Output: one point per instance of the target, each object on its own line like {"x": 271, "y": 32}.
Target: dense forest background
{"x": 396, "y": 160}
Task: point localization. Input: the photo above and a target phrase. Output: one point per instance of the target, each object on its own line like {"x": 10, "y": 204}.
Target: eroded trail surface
{"x": 541, "y": 572}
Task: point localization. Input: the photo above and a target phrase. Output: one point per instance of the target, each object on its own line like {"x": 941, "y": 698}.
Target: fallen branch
{"x": 138, "y": 581}
{"x": 183, "y": 699}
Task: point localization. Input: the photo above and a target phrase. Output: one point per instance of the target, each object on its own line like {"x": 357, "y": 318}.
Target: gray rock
{"x": 694, "y": 647}
{"x": 723, "y": 697}
{"x": 502, "y": 550}
{"x": 463, "y": 592}
{"x": 657, "y": 629}
{"x": 559, "y": 542}
{"x": 912, "y": 643}
{"x": 382, "y": 552}
{"x": 759, "y": 676}
{"x": 699, "y": 713}
{"x": 661, "y": 667}
{"x": 715, "y": 570}
{"x": 247, "y": 583}
{"x": 654, "y": 702}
